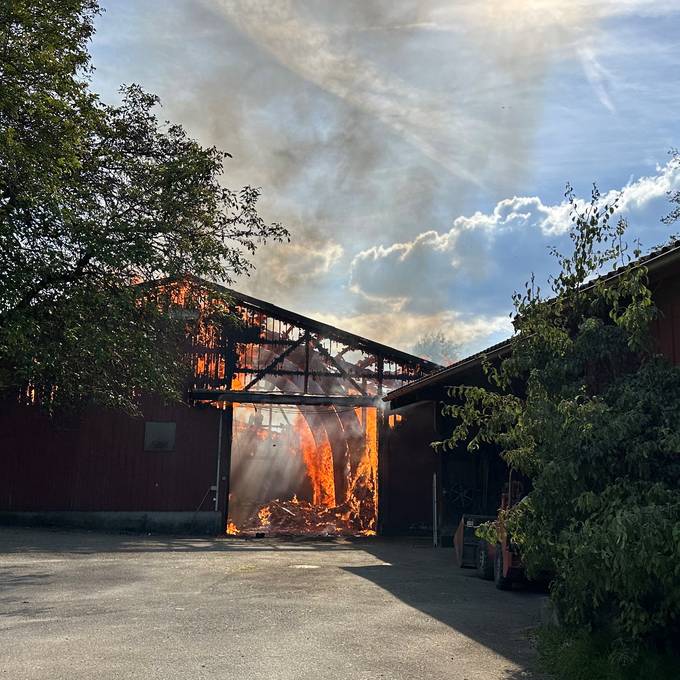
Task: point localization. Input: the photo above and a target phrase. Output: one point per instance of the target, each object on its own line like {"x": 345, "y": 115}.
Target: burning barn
{"x": 280, "y": 433}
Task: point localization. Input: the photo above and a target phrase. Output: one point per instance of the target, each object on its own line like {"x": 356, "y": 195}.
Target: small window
{"x": 159, "y": 436}
{"x": 394, "y": 419}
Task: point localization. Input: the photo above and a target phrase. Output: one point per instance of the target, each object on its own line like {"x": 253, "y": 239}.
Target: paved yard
{"x": 86, "y": 605}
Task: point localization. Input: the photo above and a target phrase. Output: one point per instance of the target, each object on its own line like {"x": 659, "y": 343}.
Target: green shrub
{"x": 591, "y": 414}
{"x": 582, "y": 656}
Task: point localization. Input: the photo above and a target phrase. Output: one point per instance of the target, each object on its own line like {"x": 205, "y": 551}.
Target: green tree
{"x": 94, "y": 198}
{"x": 437, "y": 347}
{"x": 591, "y": 413}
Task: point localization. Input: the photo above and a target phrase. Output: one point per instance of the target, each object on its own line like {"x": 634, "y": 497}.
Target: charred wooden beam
{"x": 277, "y": 360}
{"x": 306, "y": 371}
{"x": 300, "y": 372}
{"x": 203, "y": 379}
{"x": 229, "y": 352}
{"x": 329, "y": 357}
{"x": 241, "y": 397}
{"x": 273, "y": 341}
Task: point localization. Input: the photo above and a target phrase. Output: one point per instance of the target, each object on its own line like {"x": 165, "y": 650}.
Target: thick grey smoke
{"x": 365, "y": 123}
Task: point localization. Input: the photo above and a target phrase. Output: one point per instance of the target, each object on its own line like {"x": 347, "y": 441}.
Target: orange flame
{"x": 264, "y": 515}
{"x": 325, "y": 514}
{"x": 319, "y": 463}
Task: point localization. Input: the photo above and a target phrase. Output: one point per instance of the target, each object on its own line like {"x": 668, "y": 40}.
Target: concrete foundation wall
{"x": 207, "y": 523}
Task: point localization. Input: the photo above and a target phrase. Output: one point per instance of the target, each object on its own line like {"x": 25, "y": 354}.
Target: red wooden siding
{"x": 407, "y": 464}
{"x": 667, "y": 326}
{"x": 98, "y": 462}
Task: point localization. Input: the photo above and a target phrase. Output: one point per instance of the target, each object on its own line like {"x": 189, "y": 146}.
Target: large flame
{"x": 319, "y": 463}
{"x": 323, "y": 512}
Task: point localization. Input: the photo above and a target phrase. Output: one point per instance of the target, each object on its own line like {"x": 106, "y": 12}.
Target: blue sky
{"x": 418, "y": 152}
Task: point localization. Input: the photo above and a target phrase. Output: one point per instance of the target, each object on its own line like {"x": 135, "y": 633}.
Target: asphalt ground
{"x": 85, "y": 605}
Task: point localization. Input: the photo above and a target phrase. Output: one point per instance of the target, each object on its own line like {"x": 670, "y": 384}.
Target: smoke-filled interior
{"x": 303, "y": 470}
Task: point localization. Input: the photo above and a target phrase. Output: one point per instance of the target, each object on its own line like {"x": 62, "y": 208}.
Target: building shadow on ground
{"x": 424, "y": 578}
{"x": 429, "y": 580}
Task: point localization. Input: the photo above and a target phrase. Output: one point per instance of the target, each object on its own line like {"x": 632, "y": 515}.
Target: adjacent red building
{"x": 467, "y": 484}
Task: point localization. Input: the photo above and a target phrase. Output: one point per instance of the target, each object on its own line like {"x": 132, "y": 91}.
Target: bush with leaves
{"x": 94, "y": 197}
{"x": 588, "y": 410}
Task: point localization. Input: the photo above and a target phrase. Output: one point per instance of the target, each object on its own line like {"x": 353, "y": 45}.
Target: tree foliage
{"x": 437, "y": 347}
{"x": 591, "y": 413}
{"x": 93, "y": 198}
{"x": 673, "y": 196}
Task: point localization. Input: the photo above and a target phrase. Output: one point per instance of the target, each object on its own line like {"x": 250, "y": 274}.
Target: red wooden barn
{"x": 285, "y": 429}
{"x": 278, "y": 433}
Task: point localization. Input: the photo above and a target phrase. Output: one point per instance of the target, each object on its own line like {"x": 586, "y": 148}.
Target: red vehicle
{"x": 500, "y": 561}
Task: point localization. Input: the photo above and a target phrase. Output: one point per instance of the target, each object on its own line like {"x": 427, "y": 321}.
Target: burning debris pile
{"x": 355, "y": 517}
{"x": 323, "y": 477}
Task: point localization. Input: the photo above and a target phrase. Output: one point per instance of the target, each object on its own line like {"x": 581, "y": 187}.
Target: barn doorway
{"x": 303, "y": 470}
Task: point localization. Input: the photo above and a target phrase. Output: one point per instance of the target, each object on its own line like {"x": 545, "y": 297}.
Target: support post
{"x": 219, "y": 460}
{"x": 383, "y": 498}
{"x": 435, "y": 527}
{"x": 306, "y": 389}
{"x": 226, "y": 422}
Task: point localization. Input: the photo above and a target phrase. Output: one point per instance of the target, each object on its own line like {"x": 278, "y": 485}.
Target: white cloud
{"x": 484, "y": 256}
{"x": 636, "y": 195}
{"x": 404, "y": 330}
{"x": 529, "y": 211}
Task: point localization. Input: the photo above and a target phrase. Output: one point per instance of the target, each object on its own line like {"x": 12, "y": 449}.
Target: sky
{"x": 418, "y": 152}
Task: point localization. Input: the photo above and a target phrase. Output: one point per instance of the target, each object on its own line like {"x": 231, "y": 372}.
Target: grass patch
{"x": 581, "y": 656}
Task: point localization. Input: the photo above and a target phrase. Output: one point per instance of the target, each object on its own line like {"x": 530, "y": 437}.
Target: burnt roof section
{"x": 331, "y": 332}
{"x": 655, "y": 261}
{"x": 345, "y": 337}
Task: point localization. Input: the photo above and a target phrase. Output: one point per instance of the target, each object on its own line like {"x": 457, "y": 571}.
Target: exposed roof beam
{"x": 239, "y": 397}
{"x": 275, "y": 362}
{"x": 331, "y": 332}
{"x": 327, "y": 355}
